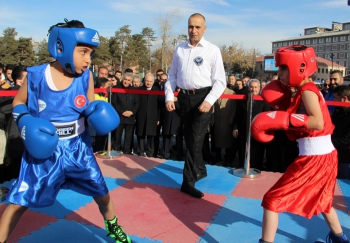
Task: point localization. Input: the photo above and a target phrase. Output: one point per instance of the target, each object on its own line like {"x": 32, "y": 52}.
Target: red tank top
{"x": 297, "y": 107}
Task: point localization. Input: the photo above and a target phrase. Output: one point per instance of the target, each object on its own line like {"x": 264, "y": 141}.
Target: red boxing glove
{"x": 298, "y": 122}
{"x": 277, "y": 95}
{"x": 264, "y": 123}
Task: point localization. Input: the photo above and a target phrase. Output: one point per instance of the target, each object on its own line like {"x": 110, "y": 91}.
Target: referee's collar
{"x": 203, "y": 42}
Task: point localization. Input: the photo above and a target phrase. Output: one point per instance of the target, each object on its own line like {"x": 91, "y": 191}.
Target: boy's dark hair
{"x": 17, "y": 72}
{"x": 68, "y": 24}
{"x": 128, "y": 70}
{"x": 342, "y": 91}
{"x": 337, "y": 71}
{"x": 99, "y": 82}
{"x": 10, "y": 67}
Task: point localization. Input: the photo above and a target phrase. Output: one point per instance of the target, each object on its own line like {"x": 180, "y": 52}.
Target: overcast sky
{"x": 253, "y": 23}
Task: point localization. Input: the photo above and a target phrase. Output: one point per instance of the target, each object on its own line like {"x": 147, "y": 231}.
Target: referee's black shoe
{"x": 191, "y": 191}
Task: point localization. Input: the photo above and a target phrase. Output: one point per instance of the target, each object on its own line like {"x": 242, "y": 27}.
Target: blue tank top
{"x": 56, "y": 106}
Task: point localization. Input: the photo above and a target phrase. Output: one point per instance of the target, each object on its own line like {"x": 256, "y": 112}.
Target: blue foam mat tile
{"x": 67, "y": 200}
{"x": 219, "y": 181}
{"x": 240, "y": 215}
{"x": 72, "y": 232}
{"x": 169, "y": 174}
{"x": 113, "y": 183}
{"x": 345, "y": 189}
{"x": 68, "y": 232}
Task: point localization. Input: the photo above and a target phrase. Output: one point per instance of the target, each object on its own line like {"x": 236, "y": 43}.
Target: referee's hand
{"x": 170, "y": 106}
{"x": 204, "y": 107}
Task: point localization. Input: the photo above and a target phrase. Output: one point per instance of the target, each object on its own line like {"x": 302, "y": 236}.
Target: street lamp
{"x": 332, "y": 55}
{"x": 121, "y": 61}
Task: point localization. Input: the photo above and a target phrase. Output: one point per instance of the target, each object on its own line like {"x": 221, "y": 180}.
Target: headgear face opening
{"x": 300, "y": 60}
{"x": 62, "y": 42}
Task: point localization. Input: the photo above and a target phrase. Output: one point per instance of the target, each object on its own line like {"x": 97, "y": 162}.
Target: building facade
{"x": 330, "y": 44}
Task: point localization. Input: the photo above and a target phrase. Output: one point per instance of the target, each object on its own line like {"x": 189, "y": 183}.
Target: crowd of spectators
{"x": 147, "y": 129}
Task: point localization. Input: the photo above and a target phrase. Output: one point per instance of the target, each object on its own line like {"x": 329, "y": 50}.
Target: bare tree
{"x": 165, "y": 27}
{"x": 148, "y": 34}
{"x": 237, "y": 59}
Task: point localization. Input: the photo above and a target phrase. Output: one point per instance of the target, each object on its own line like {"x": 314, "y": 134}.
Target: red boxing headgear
{"x": 300, "y": 60}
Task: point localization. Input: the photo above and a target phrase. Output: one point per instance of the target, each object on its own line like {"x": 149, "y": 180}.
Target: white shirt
{"x": 195, "y": 67}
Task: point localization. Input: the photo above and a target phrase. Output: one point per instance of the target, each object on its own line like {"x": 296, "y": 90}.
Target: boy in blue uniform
{"x": 50, "y": 110}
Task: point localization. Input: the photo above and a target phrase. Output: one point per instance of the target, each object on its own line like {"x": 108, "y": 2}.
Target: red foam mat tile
{"x": 157, "y": 212}
{"x": 29, "y": 222}
{"x": 256, "y": 188}
{"x": 127, "y": 166}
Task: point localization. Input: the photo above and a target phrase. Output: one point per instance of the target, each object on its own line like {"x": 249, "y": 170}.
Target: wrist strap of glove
{"x": 18, "y": 111}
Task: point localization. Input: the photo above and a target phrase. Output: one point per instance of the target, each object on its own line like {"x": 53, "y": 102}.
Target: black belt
{"x": 195, "y": 91}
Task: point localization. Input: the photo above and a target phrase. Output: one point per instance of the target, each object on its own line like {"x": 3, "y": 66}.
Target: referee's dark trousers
{"x": 195, "y": 126}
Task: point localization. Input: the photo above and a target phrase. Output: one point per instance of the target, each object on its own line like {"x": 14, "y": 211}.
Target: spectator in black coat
{"x": 171, "y": 121}
{"x": 127, "y": 106}
{"x": 257, "y": 149}
{"x": 147, "y": 118}
{"x": 341, "y": 133}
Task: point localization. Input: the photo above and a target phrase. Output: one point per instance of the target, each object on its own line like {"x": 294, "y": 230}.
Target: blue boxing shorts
{"x": 72, "y": 166}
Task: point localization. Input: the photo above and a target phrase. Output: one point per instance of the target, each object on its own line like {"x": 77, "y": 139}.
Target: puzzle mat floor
{"x": 151, "y": 208}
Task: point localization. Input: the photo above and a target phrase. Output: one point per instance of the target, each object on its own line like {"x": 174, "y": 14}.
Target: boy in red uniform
{"x": 307, "y": 187}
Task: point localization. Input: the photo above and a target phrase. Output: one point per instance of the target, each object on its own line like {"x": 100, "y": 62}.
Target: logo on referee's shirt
{"x": 198, "y": 61}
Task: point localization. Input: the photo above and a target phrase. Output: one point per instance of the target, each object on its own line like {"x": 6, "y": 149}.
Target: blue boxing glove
{"x": 39, "y": 135}
{"x": 102, "y": 117}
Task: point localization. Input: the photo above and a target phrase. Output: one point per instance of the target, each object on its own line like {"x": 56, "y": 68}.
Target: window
{"x": 290, "y": 43}
{"x": 280, "y": 44}
{"x": 328, "y": 39}
{"x": 318, "y": 70}
{"x": 320, "y": 40}
{"x": 346, "y": 26}
{"x": 285, "y": 43}
{"x": 302, "y": 42}
{"x": 320, "y": 48}
{"x": 341, "y": 55}
{"x": 296, "y": 42}
{"x": 335, "y": 38}
{"x": 308, "y": 42}
{"x": 341, "y": 63}
{"x": 342, "y": 47}
{"x": 274, "y": 44}
{"x": 328, "y": 48}
{"x": 314, "y": 41}
{"x": 322, "y": 70}
{"x": 334, "y": 47}
{"x": 326, "y": 70}
{"x": 342, "y": 38}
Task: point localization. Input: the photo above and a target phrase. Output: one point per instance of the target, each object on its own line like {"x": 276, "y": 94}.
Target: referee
{"x": 197, "y": 69}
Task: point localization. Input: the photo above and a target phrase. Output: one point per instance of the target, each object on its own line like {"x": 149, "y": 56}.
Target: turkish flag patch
{"x": 80, "y": 101}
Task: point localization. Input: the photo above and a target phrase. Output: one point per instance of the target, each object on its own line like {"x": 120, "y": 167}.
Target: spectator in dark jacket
{"x": 127, "y": 106}
{"x": 147, "y": 118}
{"x": 240, "y": 122}
{"x": 341, "y": 133}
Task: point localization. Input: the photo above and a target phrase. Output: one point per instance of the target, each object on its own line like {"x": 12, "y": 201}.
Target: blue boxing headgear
{"x": 66, "y": 39}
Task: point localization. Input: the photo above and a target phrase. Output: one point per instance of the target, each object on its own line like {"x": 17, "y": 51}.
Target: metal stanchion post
{"x": 248, "y": 172}
{"x": 108, "y": 154}
{"x": 3, "y": 193}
